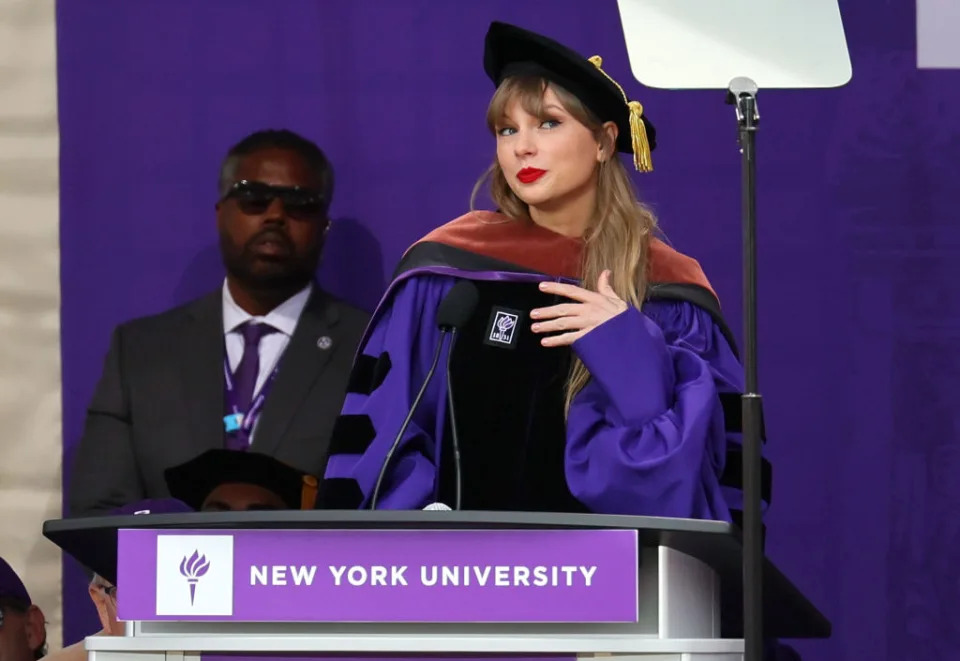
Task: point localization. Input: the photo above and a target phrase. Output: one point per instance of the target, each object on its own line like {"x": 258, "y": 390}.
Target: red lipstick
{"x": 530, "y": 175}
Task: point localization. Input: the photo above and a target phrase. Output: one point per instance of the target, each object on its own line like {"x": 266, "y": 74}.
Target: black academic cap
{"x": 194, "y": 480}
{"x": 513, "y": 51}
{"x": 11, "y": 587}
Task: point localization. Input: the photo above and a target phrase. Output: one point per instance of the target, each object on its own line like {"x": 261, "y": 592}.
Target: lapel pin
{"x": 324, "y": 342}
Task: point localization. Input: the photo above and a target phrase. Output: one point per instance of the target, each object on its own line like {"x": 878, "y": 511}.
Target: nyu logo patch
{"x": 195, "y": 575}
{"x": 502, "y": 328}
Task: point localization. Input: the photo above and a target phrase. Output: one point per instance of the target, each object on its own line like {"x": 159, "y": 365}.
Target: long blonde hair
{"x": 617, "y": 238}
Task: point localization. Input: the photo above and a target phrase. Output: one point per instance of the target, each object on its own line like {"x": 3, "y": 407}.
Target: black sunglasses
{"x": 255, "y": 197}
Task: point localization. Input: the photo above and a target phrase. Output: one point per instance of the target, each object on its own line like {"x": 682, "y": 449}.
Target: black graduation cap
{"x": 194, "y": 480}
{"x": 11, "y": 587}
{"x": 513, "y": 51}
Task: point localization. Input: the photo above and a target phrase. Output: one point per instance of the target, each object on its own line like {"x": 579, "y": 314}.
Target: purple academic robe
{"x": 647, "y": 435}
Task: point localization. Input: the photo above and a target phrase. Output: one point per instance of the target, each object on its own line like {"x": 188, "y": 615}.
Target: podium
{"x": 411, "y": 584}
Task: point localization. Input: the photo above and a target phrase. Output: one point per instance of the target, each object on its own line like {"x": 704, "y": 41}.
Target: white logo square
{"x": 194, "y": 574}
{"x": 503, "y": 327}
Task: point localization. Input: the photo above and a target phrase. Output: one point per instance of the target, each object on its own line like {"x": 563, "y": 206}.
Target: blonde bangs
{"x": 528, "y": 91}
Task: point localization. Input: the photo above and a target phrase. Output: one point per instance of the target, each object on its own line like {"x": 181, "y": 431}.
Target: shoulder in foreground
{"x": 467, "y": 225}
{"x": 487, "y": 241}
{"x": 677, "y": 279}
{"x": 668, "y": 266}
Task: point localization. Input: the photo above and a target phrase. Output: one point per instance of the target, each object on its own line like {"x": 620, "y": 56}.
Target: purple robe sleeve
{"x": 398, "y": 350}
{"x": 646, "y": 435}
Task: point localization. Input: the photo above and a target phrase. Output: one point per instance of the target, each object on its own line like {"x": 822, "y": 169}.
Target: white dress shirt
{"x": 284, "y": 318}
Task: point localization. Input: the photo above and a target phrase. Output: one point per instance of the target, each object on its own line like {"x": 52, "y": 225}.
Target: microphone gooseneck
{"x": 454, "y": 317}
{"x": 453, "y": 313}
{"x": 454, "y": 437}
{"x": 406, "y": 423}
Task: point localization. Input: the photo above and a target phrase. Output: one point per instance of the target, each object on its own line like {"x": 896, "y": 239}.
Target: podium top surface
{"x": 788, "y": 613}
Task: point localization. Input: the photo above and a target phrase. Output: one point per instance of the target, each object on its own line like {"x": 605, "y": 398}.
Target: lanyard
{"x": 237, "y": 421}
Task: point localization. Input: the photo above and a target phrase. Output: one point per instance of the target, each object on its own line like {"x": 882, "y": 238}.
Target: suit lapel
{"x": 202, "y": 369}
{"x": 301, "y": 364}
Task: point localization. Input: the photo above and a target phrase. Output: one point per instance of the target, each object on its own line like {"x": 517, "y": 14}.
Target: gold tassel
{"x": 642, "y": 158}
{"x": 308, "y": 494}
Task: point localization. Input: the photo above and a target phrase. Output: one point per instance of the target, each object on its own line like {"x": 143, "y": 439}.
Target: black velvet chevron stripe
{"x": 340, "y": 493}
{"x": 732, "y": 403}
{"x": 733, "y": 473}
{"x": 369, "y": 373}
{"x": 352, "y": 434}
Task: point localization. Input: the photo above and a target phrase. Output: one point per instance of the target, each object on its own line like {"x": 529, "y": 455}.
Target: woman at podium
{"x": 590, "y": 365}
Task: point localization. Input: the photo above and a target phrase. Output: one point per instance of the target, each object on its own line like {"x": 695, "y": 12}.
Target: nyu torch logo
{"x": 193, "y": 568}
{"x": 501, "y": 330}
{"x": 194, "y": 559}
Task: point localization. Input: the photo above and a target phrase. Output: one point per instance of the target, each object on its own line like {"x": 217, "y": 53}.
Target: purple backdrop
{"x": 858, "y": 238}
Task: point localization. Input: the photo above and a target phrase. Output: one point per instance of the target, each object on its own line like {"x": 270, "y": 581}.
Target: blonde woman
{"x": 593, "y": 372}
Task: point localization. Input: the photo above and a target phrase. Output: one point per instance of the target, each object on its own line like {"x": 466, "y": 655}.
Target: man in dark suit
{"x": 261, "y": 364}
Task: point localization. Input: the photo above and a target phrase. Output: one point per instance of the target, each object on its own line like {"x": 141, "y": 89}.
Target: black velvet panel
{"x": 508, "y": 393}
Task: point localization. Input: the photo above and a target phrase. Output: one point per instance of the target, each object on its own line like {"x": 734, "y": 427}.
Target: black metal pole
{"x": 743, "y": 94}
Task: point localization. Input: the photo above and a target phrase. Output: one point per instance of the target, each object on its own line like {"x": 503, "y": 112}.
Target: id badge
{"x": 232, "y": 422}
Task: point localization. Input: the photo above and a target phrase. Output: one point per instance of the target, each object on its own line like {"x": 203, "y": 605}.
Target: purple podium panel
{"x": 454, "y": 576}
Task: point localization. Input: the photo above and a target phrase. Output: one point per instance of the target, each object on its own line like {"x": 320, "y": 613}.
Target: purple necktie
{"x": 245, "y": 376}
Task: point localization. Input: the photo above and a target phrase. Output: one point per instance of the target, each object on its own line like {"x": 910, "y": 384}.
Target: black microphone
{"x": 452, "y": 313}
{"x": 456, "y": 307}
{"x": 452, "y": 319}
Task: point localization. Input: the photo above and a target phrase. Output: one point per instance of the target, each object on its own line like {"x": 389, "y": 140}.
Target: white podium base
{"x": 624, "y": 648}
